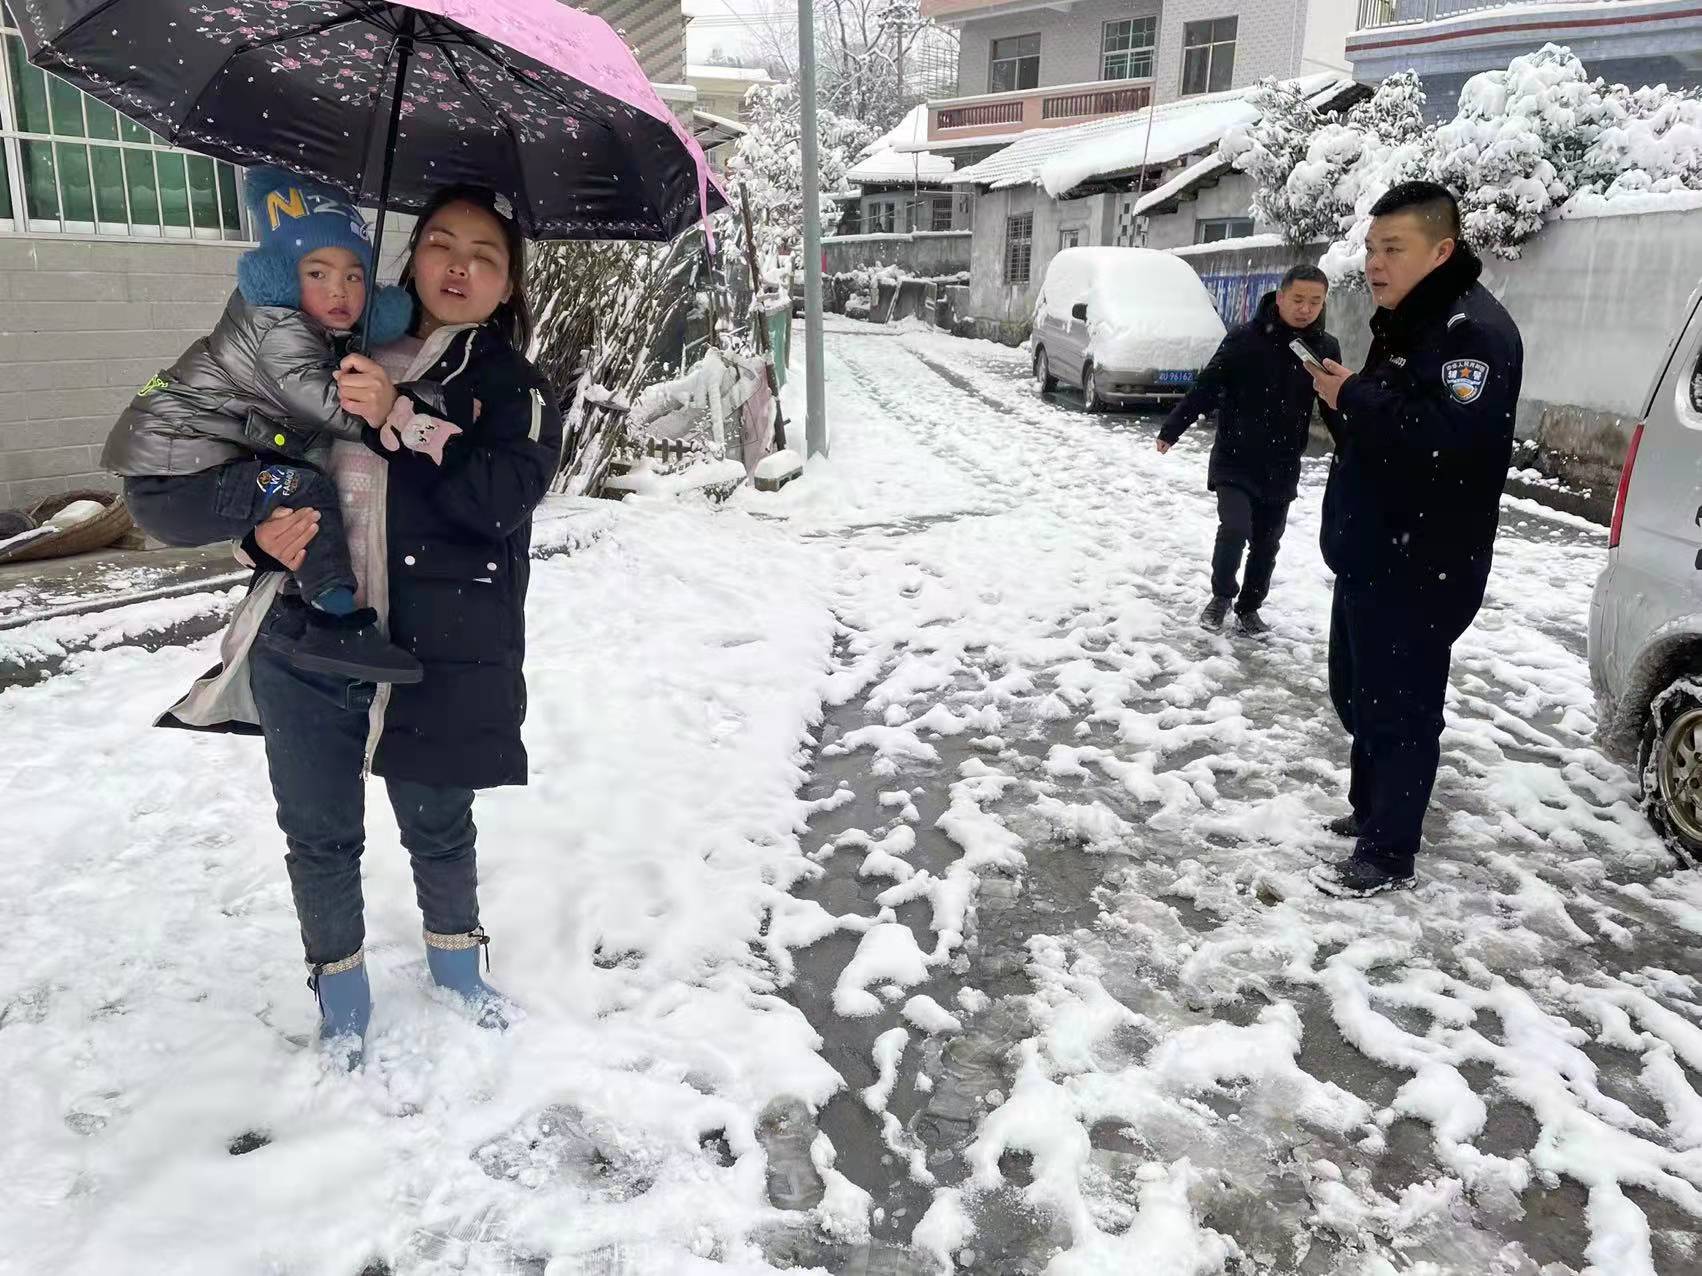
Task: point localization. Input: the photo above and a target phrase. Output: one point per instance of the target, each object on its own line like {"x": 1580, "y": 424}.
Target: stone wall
{"x": 83, "y": 323}
{"x": 925, "y": 254}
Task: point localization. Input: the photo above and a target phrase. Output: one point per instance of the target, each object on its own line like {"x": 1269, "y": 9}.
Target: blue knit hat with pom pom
{"x": 292, "y": 217}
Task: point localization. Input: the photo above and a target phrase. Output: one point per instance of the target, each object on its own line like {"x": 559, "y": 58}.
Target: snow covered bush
{"x": 1654, "y": 145}
{"x": 768, "y": 164}
{"x": 604, "y": 313}
{"x": 1515, "y": 151}
{"x": 1526, "y": 143}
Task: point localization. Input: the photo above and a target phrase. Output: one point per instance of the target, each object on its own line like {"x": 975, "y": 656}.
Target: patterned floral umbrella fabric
{"x": 537, "y": 100}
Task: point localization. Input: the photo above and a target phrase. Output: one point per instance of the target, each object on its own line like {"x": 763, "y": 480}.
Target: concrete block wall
{"x": 83, "y": 324}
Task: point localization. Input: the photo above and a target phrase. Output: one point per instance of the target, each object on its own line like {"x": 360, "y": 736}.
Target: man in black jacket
{"x": 1263, "y": 397}
{"x": 1424, "y": 438}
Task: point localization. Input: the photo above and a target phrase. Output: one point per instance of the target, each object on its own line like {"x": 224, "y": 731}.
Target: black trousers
{"x": 229, "y": 501}
{"x": 1243, "y": 520}
{"x": 315, "y": 726}
{"x": 1390, "y": 648}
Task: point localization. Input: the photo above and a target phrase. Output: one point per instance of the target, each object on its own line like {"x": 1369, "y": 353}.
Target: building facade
{"x": 1633, "y": 42}
{"x": 1025, "y": 64}
{"x": 115, "y": 253}
{"x": 1036, "y": 79}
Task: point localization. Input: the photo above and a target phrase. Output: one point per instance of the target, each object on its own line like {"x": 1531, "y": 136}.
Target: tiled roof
{"x": 1061, "y": 159}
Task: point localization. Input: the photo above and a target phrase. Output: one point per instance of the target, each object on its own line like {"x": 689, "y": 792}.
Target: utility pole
{"x": 815, "y": 390}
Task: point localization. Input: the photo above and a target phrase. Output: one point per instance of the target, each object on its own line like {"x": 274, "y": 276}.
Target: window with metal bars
{"x": 72, "y": 165}
{"x": 1019, "y": 248}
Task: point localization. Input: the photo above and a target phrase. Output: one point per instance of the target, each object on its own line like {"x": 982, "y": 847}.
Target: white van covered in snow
{"x": 1127, "y": 325}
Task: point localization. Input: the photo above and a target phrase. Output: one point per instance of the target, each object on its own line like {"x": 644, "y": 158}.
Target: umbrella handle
{"x": 403, "y": 49}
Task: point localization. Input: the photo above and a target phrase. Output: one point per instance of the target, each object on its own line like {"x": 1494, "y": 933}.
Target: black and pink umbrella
{"x": 390, "y": 102}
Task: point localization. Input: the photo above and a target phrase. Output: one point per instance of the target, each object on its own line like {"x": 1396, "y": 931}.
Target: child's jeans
{"x": 315, "y": 727}
{"x": 229, "y": 501}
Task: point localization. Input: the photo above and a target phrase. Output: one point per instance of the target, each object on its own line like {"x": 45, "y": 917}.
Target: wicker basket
{"x": 102, "y": 530}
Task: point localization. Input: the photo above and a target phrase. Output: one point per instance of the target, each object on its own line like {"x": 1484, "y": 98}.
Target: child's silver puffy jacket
{"x": 260, "y": 382}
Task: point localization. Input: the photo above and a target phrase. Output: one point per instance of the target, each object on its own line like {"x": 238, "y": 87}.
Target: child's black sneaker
{"x": 1249, "y": 624}
{"x": 351, "y": 646}
{"x": 1216, "y": 612}
{"x": 1358, "y": 878}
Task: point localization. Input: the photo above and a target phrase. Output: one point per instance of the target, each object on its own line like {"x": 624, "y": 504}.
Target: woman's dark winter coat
{"x": 459, "y": 544}
{"x": 1262, "y": 396}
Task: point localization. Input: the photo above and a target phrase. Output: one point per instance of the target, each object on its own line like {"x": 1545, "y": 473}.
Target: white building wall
{"x": 1070, "y": 43}
{"x": 1270, "y": 35}
{"x": 1328, "y": 25}
{"x": 1013, "y": 304}
{"x": 1231, "y": 197}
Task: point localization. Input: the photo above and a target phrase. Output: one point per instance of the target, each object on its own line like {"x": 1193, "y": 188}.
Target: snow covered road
{"x": 914, "y": 794}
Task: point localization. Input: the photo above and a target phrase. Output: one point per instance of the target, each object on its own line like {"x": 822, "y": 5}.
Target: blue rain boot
{"x": 454, "y": 962}
{"x": 345, "y": 1007}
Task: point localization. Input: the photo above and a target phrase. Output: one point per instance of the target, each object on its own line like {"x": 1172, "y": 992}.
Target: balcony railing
{"x": 997, "y": 113}
{"x": 1075, "y": 106}
{"x": 1405, "y": 13}
{"x": 980, "y": 116}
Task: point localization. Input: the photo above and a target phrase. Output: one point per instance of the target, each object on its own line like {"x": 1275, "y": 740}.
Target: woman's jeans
{"x": 316, "y": 728}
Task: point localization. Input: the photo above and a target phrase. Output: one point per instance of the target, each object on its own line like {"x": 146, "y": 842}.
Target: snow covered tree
{"x": 1393, "y": 145}
{"x": 875, "y": 59}
{"x": 768, "y": 164}
{"x": 1269, "y": 150}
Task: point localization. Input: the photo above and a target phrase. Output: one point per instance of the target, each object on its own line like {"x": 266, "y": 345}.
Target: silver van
{"x": 1128, "y": 325}
{"x": 1646, "y": 615}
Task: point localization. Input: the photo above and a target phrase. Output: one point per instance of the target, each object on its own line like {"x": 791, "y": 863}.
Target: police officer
{"x": 1263, "y": 399}
{"x": 1424, "y": 439}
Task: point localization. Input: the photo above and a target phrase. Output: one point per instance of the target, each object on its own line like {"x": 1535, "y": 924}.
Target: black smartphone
{"x": 1305, "y": 355}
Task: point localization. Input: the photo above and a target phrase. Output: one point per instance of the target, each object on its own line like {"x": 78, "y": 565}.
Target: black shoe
{"x": 1345, "y": 826}
{"x": 351, "y": 646}
{"x": 1358, "y": 878}
{"x": 1216, "y": 612}
{"x": 1249, "y": 624}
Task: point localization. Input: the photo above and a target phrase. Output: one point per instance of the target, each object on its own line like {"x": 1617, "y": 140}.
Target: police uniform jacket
{"x": 1424, "y": 438}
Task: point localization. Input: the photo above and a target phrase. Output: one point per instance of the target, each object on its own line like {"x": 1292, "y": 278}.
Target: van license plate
{"x": 1175, "y": 376}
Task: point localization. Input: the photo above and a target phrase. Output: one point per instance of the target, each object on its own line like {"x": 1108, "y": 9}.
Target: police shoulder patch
{"x": 1465, "y": 378}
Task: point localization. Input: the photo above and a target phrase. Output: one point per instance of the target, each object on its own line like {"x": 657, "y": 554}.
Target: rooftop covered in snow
{"x": 894, "y": 157}
{"x": 1063, "y": 159}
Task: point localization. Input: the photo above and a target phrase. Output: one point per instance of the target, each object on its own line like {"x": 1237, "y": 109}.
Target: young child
{"x": 242, "y": 424}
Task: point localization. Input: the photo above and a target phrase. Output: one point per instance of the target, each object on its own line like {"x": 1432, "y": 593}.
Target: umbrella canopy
{"x": 529, "y": 97}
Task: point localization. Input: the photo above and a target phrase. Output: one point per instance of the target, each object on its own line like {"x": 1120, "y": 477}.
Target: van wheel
{"x": 1090, "y": 389}
{"x": 1043, "y": 371}
{"x": 1671, "y": 773}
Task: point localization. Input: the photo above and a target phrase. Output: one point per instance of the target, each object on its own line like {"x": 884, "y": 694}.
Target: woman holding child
{"x": 435, "y": 504}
